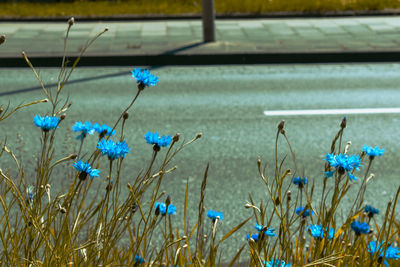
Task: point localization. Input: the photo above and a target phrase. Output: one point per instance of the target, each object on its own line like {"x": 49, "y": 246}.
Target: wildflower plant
{"x": 331, "y": 239}
{"x": 69, "y": 227}
{"x": 295, "y": 226}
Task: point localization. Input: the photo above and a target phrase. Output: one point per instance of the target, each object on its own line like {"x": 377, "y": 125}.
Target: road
{"x": 226, "y": 104}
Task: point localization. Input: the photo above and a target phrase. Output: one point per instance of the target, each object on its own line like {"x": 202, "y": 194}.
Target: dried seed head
{"x": 176, "y": 137}
{"x": 62, "y": 117}
{"x": 73, "y": 156}
{"x": 71, "y": 21}
{"x": 1, "y": 110}
{"x": 63, "y": 210}
{"x": 247, "y": 206}
{"x": 371, "y": 176}
{"x": 348, "y": 144}
{"x": 125, "y": 115}
{"x": 199, "y": 135}
{"x": 252, "y": 241}
{"x": 2, "y": 39}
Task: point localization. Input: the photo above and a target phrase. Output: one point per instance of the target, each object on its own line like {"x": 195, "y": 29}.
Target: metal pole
{"x": 208, "y": 21}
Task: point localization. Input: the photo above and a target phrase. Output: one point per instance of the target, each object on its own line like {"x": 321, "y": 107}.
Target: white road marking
{"x": 331, "y": 111}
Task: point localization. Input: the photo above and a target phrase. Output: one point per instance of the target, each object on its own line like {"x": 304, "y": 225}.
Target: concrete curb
{"x": 156, "y": 17}
{"x": 211, "y": 59}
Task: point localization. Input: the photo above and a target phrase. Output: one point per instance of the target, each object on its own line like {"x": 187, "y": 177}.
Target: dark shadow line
{"x": 25, "y": 90}
{"x": 169, "y": 52}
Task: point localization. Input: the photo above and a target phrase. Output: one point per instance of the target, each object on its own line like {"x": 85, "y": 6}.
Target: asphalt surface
{"x": 226, "y": 104}
{"x": 238, "y": 41}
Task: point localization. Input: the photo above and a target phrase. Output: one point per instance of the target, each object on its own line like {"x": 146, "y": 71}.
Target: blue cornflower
{"x": 304, "y": 214}
{"x": 46, "y": 123}
{"x": 85, "y": 169}
{"x": 300, "y": 182}
{"x": 86, "y": 128}
{"x": 360, "y": 228}
{"x": 318, "y": 232}
{"x": 157, "y": 141}
{"x": 163, "y": 208}
{"x": 344, "y": 163}
{"x": 253, "y": 236}
{"x": 113, "y": 150}
{"x": 329, "y": 174}
{"x": 212, "y": 214}
{"x": 103, "y": 130}
{"x": 373, "y": 152}
{"x": 371, "y": 211}
{"x": 144, "y": 78}
{"x": 139, "y": 259}
{"x": 391, "y": 252}
{"x": 276, "y": 263}
{"x": 267, "y": 231}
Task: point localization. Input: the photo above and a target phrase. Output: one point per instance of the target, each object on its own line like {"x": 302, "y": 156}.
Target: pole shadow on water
{"x": 117, "y": 74}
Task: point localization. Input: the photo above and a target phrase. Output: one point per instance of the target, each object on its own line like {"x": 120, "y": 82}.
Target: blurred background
{"x": 51, "y": 8}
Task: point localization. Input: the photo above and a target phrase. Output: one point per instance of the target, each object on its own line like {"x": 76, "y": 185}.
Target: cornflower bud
{"x": 168, "y": 201}
{"x": 277, "y": 201}
{"x": 63, "y": 210}
{"x": 157, "y": 211}
{"x": 71, "y": 21}
{"x": 175, "y": 138}
{"x": 134, "y": 207}
{"x": 62, "y": 117}
{"x": 199, "y": 135}
{"x": 289, "y": 195}
{"x": 2, "y": 39}
{"x": 281, "y": 125}
{"x": 73, "y": 156}
{"x": 343, "y": 124}
{"x": 109, "y": 186}
{"x": 125, "y": 115}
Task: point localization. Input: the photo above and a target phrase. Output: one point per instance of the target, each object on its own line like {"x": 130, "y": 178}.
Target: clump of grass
{"x": 167, "y": 7}
{"x": 293, "y": 226}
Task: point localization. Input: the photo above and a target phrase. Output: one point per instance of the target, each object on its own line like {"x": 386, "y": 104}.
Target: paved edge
{"x": 155, "y": 17}
{"x": 210, "y": 59}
